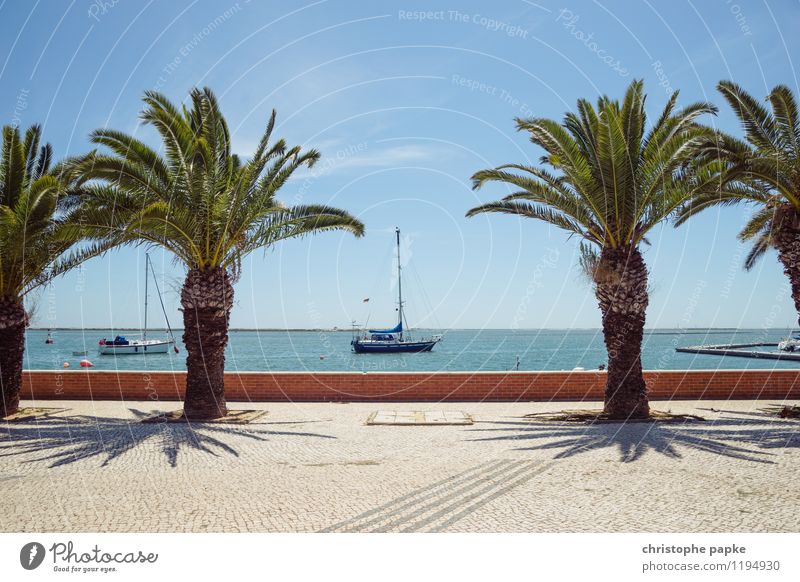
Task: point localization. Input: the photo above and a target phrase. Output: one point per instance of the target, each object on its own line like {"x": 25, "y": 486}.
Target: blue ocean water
{"x": 490, "y": 350}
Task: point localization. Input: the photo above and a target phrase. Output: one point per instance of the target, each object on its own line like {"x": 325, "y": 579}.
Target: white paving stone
{"x": 419, "y": 417}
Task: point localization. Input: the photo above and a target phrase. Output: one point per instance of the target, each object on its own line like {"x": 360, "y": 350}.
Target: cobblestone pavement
{"x": 318, "y": 467}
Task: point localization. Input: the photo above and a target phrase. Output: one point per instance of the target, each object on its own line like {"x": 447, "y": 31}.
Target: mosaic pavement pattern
{"x": 320, "y": 467}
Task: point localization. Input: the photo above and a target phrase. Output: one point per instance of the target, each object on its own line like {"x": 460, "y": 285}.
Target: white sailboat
{"x": 121, "y": 345}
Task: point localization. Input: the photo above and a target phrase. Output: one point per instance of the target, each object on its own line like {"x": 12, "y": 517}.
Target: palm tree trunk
{"x": 621, "y": 287}
{"x": 787, "y": 242}
{"x": 206, "y": 299}
{"x": 13, "y": 321}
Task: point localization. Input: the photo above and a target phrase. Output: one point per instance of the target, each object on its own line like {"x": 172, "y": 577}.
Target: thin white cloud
{"x": 366, "y": 156}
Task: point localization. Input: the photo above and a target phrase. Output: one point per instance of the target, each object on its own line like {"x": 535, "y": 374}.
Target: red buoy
{"x": 86, "y": 364}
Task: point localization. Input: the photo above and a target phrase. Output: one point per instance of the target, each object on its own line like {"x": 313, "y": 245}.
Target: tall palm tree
{"x": 764, "y": 172}
{"x": 611, "y": 180}
{"x": 38, "y": 226}
{"x": 203, "y": 204}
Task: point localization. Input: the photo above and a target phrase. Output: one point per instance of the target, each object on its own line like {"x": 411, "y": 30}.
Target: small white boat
{"x": 121, "y": 345}
{"x": 790, "y": 344}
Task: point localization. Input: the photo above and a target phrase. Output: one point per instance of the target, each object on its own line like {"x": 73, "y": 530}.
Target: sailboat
{"x": 392, "y": 341}
{"x": 121, "y": 345}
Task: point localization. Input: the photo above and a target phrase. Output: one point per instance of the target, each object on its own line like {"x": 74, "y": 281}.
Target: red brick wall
{"x": 411, "y": 386}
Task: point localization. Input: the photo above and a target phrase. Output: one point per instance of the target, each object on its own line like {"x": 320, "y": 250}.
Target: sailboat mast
{"x": 399, "y": 284}
{"x": 146, "y": 265}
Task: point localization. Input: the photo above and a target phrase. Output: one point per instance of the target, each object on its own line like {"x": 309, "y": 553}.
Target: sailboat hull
{"x": 135, "y": 347}
{"x": 378, "y": 347}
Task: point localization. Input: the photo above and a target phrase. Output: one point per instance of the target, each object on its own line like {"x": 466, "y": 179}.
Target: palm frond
{"x": 529, "y": 210}
{"x": 589, "y": 261}
{"x": 199, "y": 200}
{"x": 36, "y": 224}
{"x": 784, "y": 108}
{"x": 758, "y": 250}
{"x": 12, "y": 166}
{"x": 758, "y": 124}
{"x": 760, "y": 224}
{"x": 612, "y": 181}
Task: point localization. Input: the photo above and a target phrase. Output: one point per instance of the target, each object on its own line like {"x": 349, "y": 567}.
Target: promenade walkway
{"x": 320, "y": 467}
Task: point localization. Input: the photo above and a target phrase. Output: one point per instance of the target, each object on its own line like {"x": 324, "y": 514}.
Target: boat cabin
{"x": 120, "y": 340}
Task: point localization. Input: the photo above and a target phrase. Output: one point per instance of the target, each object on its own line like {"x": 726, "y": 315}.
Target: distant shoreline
{"x": 653, "y": 330}
{"x": 177, "y": 329}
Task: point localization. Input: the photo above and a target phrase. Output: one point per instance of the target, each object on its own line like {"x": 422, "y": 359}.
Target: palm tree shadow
{"x": 744, "y": 436}
{"x": 66, "y": 440}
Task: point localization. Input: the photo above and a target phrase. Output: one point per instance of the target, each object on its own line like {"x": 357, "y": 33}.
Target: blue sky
{"x": 405, "y": 100}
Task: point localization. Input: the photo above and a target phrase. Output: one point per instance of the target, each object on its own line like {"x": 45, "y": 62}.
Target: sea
{"x": 460, "y": 350}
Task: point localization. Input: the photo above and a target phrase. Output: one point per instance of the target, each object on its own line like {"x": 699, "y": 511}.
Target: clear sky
{"x": 405, "y": 105}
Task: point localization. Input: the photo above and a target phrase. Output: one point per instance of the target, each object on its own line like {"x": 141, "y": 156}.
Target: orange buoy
{"x": 66, "y": 364}
{"x": 86, "y": 364}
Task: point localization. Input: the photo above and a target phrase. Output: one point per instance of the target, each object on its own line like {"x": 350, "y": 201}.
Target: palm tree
{"x": 38, "y": 226}
{"x": 764, "y": 172}
{"x": 610, "y": 181}
{"x": 208, "y": 208}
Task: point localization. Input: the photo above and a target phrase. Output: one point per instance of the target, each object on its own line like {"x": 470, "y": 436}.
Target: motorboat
{"x": 790, "y": 344}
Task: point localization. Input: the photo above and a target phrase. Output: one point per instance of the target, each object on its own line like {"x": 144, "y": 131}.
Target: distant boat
{"x": 121, "y": 345}
{"x": 49, "y": 339}
{"x": 392, "y": 341}
{"x": 790, "y": 344}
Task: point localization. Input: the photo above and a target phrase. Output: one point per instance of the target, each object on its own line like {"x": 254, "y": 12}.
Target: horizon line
{"x": 348, "y": 329}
